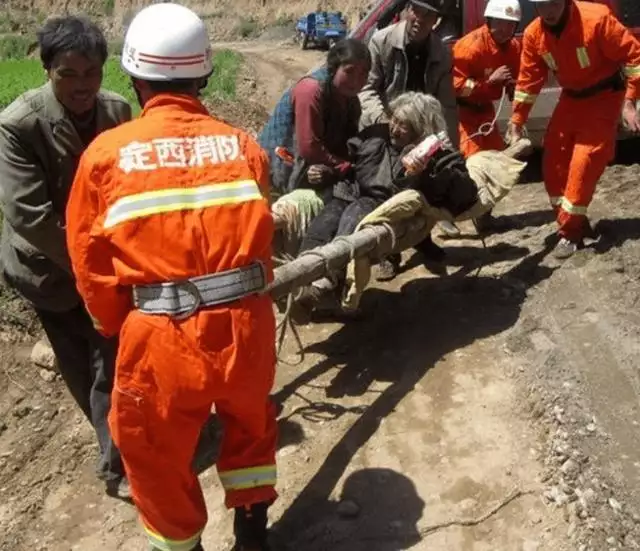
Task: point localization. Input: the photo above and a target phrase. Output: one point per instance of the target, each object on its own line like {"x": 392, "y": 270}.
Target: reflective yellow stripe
{"x": 468, "y": 87}
{"x": 567, "y": 206}
{"x": 523, "y": 97}
{"x": 165, "y": 544}
{"x": 551, "y": 63}
{"x": 632, "y": 70}
{"x": 253, "y": 477}
{"x": 583, "y": 57}
{"x": 167, "y": 200}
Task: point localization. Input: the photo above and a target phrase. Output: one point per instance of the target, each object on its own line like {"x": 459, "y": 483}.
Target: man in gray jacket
{"x": 408, "y": 56}
{"x": 42, "y": 135}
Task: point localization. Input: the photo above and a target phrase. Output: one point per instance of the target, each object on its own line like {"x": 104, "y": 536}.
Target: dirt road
{"x": 466, "y": 412}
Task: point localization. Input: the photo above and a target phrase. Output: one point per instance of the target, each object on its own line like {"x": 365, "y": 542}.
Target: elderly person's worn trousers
{"x": 338, "y": 217}
{"x": 86, "y": 361}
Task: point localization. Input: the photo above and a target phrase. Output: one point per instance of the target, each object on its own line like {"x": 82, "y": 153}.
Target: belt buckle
{"x": 192, "y": 289}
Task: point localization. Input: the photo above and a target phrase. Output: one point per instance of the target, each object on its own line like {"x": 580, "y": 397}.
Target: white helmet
{"x": 509, "y": 10}
{"x": 166, "y": 42}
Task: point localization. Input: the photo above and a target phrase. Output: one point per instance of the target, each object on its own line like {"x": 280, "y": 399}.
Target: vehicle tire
{"x": 331, "y": 43}
{"x": 304, "y": 41}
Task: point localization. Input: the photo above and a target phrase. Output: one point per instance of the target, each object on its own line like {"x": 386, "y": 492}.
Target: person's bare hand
{"x": 502, "y": 75}
{"x": 416, "y": 166}
{"x": 318, "y": 174}
{"x": 513, "y": 134}
{"x": 630, "y": 116}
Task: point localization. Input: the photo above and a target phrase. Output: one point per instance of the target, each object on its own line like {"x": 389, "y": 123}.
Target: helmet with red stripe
{"x": 165, "y": 42}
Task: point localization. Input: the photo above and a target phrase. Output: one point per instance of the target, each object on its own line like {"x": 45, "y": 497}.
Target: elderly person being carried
{"x": 379, "y": 173}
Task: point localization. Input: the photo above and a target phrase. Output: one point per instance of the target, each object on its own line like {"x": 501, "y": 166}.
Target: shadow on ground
{"x": 377, "y": 506}
{"x": 615, "y": 232}
{"x": 398, "y": 341}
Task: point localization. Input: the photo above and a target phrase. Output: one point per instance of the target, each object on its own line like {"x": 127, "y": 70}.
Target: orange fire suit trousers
{"x": 470, "y": 121}
{"x": 579, "y": 143}
{"x": 169, "y": 374}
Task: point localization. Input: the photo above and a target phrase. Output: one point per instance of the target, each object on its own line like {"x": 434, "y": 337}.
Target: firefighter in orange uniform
{"x": 485, "y": 62}
{"x": 169, "y": 233}
{"x": 596, "y": 61}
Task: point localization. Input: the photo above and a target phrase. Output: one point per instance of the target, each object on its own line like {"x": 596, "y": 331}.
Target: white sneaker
{"x": 565, "y": 249}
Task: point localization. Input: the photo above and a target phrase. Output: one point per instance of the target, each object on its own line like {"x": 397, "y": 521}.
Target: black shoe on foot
{"x": 250, "y": 528}
{"x": 119, "y": 488}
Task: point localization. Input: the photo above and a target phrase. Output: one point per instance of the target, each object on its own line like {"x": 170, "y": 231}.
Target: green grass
{"x": 19, "y": 75}
{"x": 14, "y": 46}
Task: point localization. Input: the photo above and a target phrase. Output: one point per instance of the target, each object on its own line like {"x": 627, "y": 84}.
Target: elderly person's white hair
{"x": 422, "y": 113}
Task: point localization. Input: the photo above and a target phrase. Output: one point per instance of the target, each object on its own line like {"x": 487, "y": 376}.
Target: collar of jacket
{"x": 63, "y": 128}
{"x": 173, "y": 102}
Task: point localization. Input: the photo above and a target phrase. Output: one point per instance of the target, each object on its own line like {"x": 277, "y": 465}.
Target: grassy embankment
{"x": 18, "y": 74}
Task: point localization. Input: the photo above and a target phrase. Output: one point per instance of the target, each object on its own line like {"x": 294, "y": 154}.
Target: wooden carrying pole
{"x": 374, "y": 241}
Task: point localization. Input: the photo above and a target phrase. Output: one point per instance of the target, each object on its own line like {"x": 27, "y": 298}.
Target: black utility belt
{"x": 615, "y": 83}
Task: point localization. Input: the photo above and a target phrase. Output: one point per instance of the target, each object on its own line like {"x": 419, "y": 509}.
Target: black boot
{"x": 250, "y": 528}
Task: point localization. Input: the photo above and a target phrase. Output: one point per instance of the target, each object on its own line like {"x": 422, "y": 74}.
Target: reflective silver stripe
{"x": 524, "y": 97}
{"x": 583, "y": 57}
{"x": 164, "y": 544}
{"x": 632, "y": 71}
{"x": 570, "y": 208}
{"x": 253, "y": 477}
{"x": 186, "y": 297}
{"x": 167, "y": 200}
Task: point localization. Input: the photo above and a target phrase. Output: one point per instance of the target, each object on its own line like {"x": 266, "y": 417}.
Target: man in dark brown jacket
{"x": 42, "y": 135}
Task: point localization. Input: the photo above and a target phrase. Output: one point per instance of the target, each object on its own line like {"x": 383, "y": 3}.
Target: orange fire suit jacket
{"x": 172, "y": 195}
{"x": 593, "y": 46}
{"x": 475, "y": 57}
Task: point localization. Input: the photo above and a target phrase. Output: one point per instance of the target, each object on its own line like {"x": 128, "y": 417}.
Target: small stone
{"x": 615, "y": 504}
{"x": 42, "y": 355}
{"x": 21, "y": 412}
{"x": 530, "y": 545}
{"x": 569, "y": 468}
{"x": 348, "y": 509}
{"x": 611, "y": 540}
{"x": 557, "y": 496}
{"x": 591, "y": 427}
{"x": 47, "y": 376}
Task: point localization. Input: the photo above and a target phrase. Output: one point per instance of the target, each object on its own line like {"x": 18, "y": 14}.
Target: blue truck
{"x": 321, "y": 28}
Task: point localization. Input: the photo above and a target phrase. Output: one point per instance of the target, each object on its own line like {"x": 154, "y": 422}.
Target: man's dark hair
{"x": 70, "y": 33}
